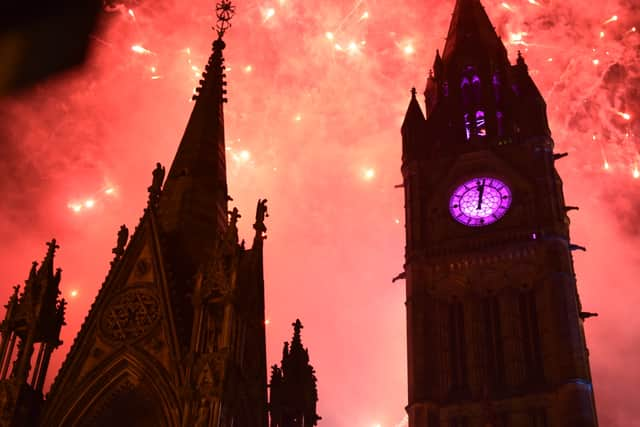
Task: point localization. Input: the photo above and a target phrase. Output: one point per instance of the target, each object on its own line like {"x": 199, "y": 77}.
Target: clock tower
{"x": 494, "y": 321}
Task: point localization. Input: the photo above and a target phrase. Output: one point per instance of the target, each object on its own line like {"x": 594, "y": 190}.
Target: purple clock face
{"x": 480, "y": 201}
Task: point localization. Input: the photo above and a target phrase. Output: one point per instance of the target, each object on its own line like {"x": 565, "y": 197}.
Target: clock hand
{"x": 481, "y": 191}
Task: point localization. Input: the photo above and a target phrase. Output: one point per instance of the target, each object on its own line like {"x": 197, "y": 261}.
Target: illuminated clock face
{"x": 480, "y": 201}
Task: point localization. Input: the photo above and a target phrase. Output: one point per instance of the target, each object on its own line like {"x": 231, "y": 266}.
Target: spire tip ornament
{"x": 224, "y": 12}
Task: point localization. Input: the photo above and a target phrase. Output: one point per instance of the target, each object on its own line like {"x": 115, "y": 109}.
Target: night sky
{"x": 317, "y": 93}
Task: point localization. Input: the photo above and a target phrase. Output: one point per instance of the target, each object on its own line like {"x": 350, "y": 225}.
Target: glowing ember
{"x": 243, "y": 156}
{"x": 139, "y": 49}
{"x": 369, "y": 174}
{"x": 408, "y": 49}
{"x": 517, "y": 38}
{"x": 353, "y": 48}
{"x": 268, "y": 14}
{"x": 76, "y": 207}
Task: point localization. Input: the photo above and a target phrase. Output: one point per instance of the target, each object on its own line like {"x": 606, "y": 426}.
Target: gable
{"x": 131, "y": 314}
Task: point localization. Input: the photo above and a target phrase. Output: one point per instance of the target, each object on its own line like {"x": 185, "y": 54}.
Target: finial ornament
{"x": 234, "y": 216}
{"x": 413, "y": 92}
{"x": 52, "y": 248}
{"x": 224, "y": 12}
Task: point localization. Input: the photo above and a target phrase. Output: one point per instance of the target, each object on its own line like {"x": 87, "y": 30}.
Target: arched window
{"x": 500, "y": 123}
{"x": 497, "y": 87}
{"x": 481, "y": 129}
{"x": 465, "y": 89}
{"x": 467, "y": 125}
{"x": 477, "y": 90}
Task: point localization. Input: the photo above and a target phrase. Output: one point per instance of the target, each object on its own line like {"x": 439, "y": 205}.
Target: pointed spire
{"x": 34, "y": 270}
{"x": 194, "y": 198}
{"x": 296, "y": 341}
{"x": 414, "y": 115}
{"x": 438, "y": 65}
{"x": 471, "y": 29}
{"x": 47, "y": 264}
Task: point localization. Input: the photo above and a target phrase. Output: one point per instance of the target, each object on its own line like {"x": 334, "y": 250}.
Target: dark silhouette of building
{"x": 495, "y": 325}
{"x": 33, "y": 317}
{"x": 176, "y": 334}
{"x": 293, "y": 392}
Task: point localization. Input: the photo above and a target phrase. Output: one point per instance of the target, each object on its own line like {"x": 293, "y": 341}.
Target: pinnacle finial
{"x": 296, "y": 341}
{"x": 520, "y": 62}
{"x": 413, "y": 92}
{"x": 52, "y": 248}
{"x": 224, "y": 12}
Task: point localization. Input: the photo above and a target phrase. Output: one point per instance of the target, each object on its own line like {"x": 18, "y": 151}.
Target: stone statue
{"x": 123, "y": 237}
{"x": 261, "y": 213}
{"x": 156, "y": 183}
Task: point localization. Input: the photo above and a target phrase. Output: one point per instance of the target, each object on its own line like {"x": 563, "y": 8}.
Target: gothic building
{"x": 176, "y": 334}
{"x": 293, "y": 393}
{"x": 33, "y": 318}
{"x": 494, "y": 322}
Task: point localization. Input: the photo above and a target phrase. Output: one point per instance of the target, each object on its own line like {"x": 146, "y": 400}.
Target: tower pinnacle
{"x": 471, "y": 33}
{"x": 193, "y": 203}
{"x": 293, "y": 386}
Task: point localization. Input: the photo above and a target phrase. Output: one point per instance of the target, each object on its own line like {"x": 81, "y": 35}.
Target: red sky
{"x": 317, "y": 93}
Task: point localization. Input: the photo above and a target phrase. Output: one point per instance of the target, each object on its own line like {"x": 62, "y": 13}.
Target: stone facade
{"x": 495, "y": 325}
{"x": 176, "y": 335}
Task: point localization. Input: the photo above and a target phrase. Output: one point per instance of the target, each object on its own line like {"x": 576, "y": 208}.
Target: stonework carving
{"x": 131, "y": 315}
{"x": 142, "y": 267}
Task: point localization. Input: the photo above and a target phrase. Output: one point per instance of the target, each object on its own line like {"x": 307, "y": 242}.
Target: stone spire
{"x": 194, "y": 198}
{"x": 293, "y": 394}
{"x": 471, "y": 33}
{"x": 414, "y": 115}
{"x": 33, "y": 321}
